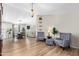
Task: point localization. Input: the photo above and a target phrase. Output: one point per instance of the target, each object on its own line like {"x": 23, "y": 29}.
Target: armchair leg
{"x": 44, "y": 39}
{"x": 63, "y": 48}
{"x": 68, "y": 46}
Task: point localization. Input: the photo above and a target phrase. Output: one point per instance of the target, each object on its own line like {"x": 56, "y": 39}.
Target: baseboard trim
{"x": 74, "y": 47}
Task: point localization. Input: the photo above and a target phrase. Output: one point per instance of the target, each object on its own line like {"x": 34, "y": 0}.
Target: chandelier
{"x": 32, "y": 10}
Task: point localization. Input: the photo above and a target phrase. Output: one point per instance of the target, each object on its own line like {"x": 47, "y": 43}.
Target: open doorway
{"x": 17, "y": 22}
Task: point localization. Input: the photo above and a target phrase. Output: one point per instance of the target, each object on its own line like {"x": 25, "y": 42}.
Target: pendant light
{"x": 32, "y": 10}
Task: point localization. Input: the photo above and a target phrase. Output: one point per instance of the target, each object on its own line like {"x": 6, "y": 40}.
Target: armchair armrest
{"x": 66, "y": 43}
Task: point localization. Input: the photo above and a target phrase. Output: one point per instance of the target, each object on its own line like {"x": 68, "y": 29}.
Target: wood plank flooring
{"x": 31, "y": 47}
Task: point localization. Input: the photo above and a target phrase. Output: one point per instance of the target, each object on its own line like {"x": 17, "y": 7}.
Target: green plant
{"x": 9, "y": 31}
{"x": 54, "y": 31}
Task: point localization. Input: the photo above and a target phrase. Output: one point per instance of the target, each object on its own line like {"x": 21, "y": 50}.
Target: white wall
{"x": 67, "y": 22}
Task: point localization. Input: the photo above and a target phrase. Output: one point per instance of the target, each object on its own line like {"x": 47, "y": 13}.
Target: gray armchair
{"x": 64, "y": 40}
{"x": 40, "y": 36}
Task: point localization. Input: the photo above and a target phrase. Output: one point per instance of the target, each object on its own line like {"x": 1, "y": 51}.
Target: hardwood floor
{"x": 30, "y": 47}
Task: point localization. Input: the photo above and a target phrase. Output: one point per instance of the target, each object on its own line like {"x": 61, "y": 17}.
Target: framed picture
{"x": 28, "y": 27}
{"x": 40, "y": 22}
{"x": 40, "y": 18}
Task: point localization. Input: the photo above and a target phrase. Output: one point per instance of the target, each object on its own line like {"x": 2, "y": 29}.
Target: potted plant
{"x": 9, "y": 31}
{"x": 54, "y": 31}
{"x": 49, "y": 36}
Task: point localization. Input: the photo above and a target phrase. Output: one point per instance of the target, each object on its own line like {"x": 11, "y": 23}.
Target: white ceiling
{"x": 13, "y": 12}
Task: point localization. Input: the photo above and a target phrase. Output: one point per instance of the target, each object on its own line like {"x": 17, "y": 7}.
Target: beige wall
{"x": 67, "y": 22}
